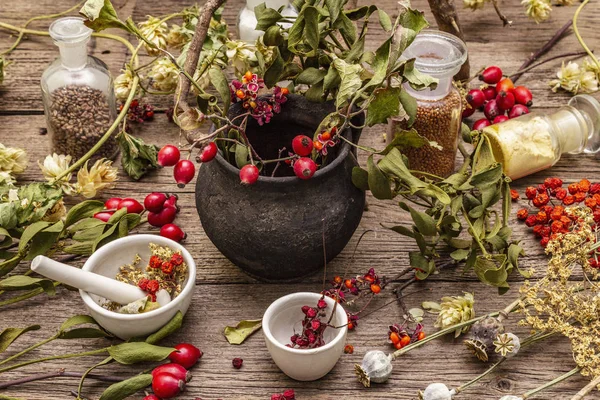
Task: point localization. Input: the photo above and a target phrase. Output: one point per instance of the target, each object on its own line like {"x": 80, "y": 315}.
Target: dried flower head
{"x": 164, "y": 75}
{"x": 482, "y": 336}
{"x": 102, "y": 175}
{"x": 241, "y": 55}
{"x": 54, "y": 165}
{"x": 376, "y": 367}
{"x": 574, "y": 79}
{"x": 538, "y": 10}
{"x": 474, "y": 4}
{"x": 155, "y": 32}
{"x": 437, "y": 391}
{"x": 123, "y": 84}
{"x": 456, "y": 309}
{"x": 179, "y": 36}
{"x": 12, "y": 160}
{"x": 507, "y": 344}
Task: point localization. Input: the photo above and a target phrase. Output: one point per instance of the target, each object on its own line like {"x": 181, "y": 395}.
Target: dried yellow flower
{"x": 179, "y": 36}
{"x": 164, "y": 75}
{"x": 456, "y": 309}
{"x": 538, "y": 10}
{"x": 241, "y": 55}
{"x": 12, "y": 160}
{"x": 474, "y": 4}
{"x": 155, "y": 32}
{"x": 54, "y": 165}
{"x": 574, "y": 79}
{"x": 56, "y": 213}
{"x": 123, "y": 84}
{"x": 102, "y": 175}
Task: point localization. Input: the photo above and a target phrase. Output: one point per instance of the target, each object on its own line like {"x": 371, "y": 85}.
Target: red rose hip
{"x": 476, "y": 98}
{"x": 184, "y": 172}
{"x": 112, "y": 203}
{"x": 166, "y": 386}
{"x": 164, "y": 217}
{"x": 155, "y": 201}
{"x": 505, "y": 101}
{"x": 168, "y": 156}
{"x": 249, "y": 174}
{"x": 505, "y": 85}
{"x": 103, "y": 216}
{"x": 517, "y": 111}
{"x": 302, "y": 145}
{"x": 151, "y": 397}
{"x": 208, "y": 152}
{"x": 173, "y": 232}
{"x": 499, "y": 119}
{"x": 489, "y": 92}
{"x": 178, "y": 371}
{"x": 491, "y": 110}
{"x": 133, "y": 206}
{"x": 305, "y": 168}
{"x": 186, "y": 355}
{"x": 480, "y": 124}
{"x": 491, "y": 75}
{"x": 523, "y": 96}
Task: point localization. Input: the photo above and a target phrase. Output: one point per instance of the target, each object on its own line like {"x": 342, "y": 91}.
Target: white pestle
{"x": 100, "y": 285}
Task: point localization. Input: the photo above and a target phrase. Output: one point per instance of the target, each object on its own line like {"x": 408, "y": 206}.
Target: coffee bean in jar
{"x": 78, "y": 117}
{"x": 438, "y": 118}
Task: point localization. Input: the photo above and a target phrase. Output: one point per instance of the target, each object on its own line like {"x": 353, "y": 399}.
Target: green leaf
{"x": 409, "y": 104}
{"x": 351, "y": 82}
{"x": 315, "y": 93}
{"x": 237, "y": 334}
{"x": 424, "y": 222}
{"x": 356, "y": 51}
{"x": 136, "y": 352}
{"x": 101, "y": 15}
{"x": 126, "y": 388}
{"x": 89, "y": 234}
{"x": 403, "y": 231}
{"x": 360, "y": 12}
{"x": 492, "y": 270}
{"x": 137, "y": 157}
{"x": 460, "y": 254}
{"x": 384, "y": 20}
{"x": 488, "y": 176}
{"x": 303, "y": 35}
{"x": 83, "y": 210}
{"x": 241, "y": 155}
{"x": 334, "y": 7}
{"x": 30, "y": 233}
{"x": 108, "y": 236}
{"x": 83, "y": 248}
{"x": 416, "y": 79}
{"x": 380, "y": 64}
{"x": 9, "y": 335}
{"x": 77, "y": 320}
{"x": 378, "y": 182}
{"x": 411, "y": 22}
{"x": 310, "y": 76}
{"x": 84, "y": 333}
{"x": 22, "y": 282}
{"x": 84, "y": 224}
{"x": 346, "y": 28}
{"x": 385, "y": 103}
{"x": 360, "y": 178}
{"x": 168, "y": 329}
{"x": 266, "y": 17}
{"x": 273, "y": 36}
{"x": 219, "y": 82}
{"x": 44, "y": 240}
{"x": 6, "y": 240}
{"x": 405, "y": 139}
{"x": 423, "y": 266}
{"x": 7, "y": 266}
{"x": 273, "y": 73}
{"x": 332, "y": 79}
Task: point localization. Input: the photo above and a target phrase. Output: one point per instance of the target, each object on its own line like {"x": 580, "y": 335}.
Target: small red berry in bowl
{"x": 112, "y": 203}
{"x": 166, "y": 386}
{"x": 491, "y": 110}
{"x": 184, "y": 172}
{"x": 178, "y": 371}
{"x": 302, "y": 145}
{"x": 305, "y": 168}
{"x": 103, "y": 216}
{"x": 517, "y": 111}
{"x": 249, "y": 174}
{"x": 237, "y": 363}
{"x": 499, "y": 119}
{"x": 523, "y": 96}
{"x": 173, "y": 232}
{"x": 505, "y": 101}
{"x": 480, "y": 124}
{"x": 168, "y": 156}
{"x": 163, "y": 217}
{"x": 133, "y": 206}
{"x": 186, "y": 355}
{"x": 476, "y": 98}
{"x": 208, "y": 152}
{"x": 491, "y": 75}
{"x": 155, "y": 201}
{"x": 489, "y": 92}
{"x": 505, "y": 85}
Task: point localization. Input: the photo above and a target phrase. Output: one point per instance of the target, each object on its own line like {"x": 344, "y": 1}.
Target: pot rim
{"x": 277, "y": 304}
{"x": 341, "y": 156}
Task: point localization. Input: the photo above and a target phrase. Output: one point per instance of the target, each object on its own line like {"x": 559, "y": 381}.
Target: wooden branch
{"x": 191, "y": 62}
{"x": 447, "y": 20}
{"x": 585, "y": 390}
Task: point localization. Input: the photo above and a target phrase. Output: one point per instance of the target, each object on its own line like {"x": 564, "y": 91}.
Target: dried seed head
{"x": 376, "y": 367}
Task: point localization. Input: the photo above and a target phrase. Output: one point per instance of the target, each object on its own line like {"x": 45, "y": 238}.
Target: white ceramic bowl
{"x": 283, "y": 316}
{"x": 107, "y": 260}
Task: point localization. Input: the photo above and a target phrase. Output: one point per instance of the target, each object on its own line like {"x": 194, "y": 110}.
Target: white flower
{"x": 123, "y": 84}
{"x": 12, "y": 160}
{"x": 102, "y": 175}
{"x": 474, "y": 4}
{"x": 591, "y": 66}
{"x": 588, "y": 82}
{"x": 155, "y": 32}
{"x": 438, "y": 391}
{"x": 538, "y": 10}
{"x": 6, "y": 178}
{"x": 568, "y": 78}
{"x": 13, "y": 195}
{"x": 454, "y": 310}
{"x": 241, "y": 55}
{"x": 54, "y": 165}
{"x": 164, "y": 75}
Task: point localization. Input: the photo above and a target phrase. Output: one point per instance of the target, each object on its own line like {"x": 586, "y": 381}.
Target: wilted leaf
{"x": 237, "y": 334}
{"x": 137, "y": 157}
{"x": 417, "y": 314}
{"x": 385, "y": 104}
{"x": 417, "y": 79}
{"x": 351, "y": 82}
{"x": 310, "y": 76}
{"x": 378, "y": 182}
{"x": 273, "y": 73}
{"x": 266, "y": 17}
{"x": 404, "y": 139}
{"x": 101, "y": 15}
{"x": 126, "y": 388}
{"x": 431, "y": 307}
{"x": 9, "y": 335}
{"x": 409, "y": 104}
{"x": 424, "y": 222}
{"x": 83, "y": 210}
{"x": 492, "y": 270}
{"x": 219, "y": 81}
{"x": 384, "y": 20}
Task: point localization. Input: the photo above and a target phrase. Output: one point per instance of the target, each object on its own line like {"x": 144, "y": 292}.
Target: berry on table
{"x": 491, "y": 109}
{"x": 491, "y": 75}
{"x": 489, "y": 92}
{"x": 133, "y": 206}
{"x": 112, "y": 203}
{"x": 103, "y": 216}
{"x": 505, "y": 101}
{"x": 184, "y": 172}
{"x": 155, "y": 201}
{"x": 168, "y": 156}
{"x": 517, "y": 111}
{"x": 173, "y": 232}
{"x": 186, "y": 355}
{"x": 480, "y": 124}
{"x": 162, "y": 218}
{"x": 476, "y": 98}
{"x": 505, "y": 85}
{"x": 523, "y": 96}
{"x": 166, "y": 386}
{"x": 237, "y": 363}
{"x": 178, "y": 371}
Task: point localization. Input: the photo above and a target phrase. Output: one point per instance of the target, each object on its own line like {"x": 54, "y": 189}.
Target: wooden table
{"x": 224, "y": 295}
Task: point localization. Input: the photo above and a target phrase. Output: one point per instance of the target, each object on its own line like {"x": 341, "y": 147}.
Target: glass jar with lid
{"x": 534, "y": 141}
{"x": 78, "y": 94}
{"x": 440, "y": 55}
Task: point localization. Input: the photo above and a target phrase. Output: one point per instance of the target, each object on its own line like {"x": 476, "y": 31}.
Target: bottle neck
{"x": 73, "y": 56}
{"x": 574, "y": 127}
{"x": 442, "y": 89}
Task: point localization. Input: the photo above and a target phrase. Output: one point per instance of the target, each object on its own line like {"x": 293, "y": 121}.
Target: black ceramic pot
{"x": 273, "y": 230}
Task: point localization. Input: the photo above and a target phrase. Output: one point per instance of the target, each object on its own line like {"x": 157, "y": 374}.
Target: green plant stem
{"x": 578, "y": 35}
{"x": 483, "y": 375}
{"x": 25, "y": 296}
{"x": 59, "y": 357}
{"x": 481, "y": 246}
{"x": 551, "y": 383}
{"x": 27, "y": 350}
{"x": 37, "y": 18}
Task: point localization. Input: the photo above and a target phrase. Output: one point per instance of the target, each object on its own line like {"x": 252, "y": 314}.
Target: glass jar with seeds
{"x": 78, "y": 94}
{"x": 439, "y": 110}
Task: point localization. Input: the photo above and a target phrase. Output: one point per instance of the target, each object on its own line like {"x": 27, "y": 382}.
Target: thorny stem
{"x": 586, "y": 389}
{"x": 578, "y": 35}
{"x": 515, "y": 76}
{"x": 59, "y": 373}
{"x": 58, "y": 357}
{"x": 551, "y": 383}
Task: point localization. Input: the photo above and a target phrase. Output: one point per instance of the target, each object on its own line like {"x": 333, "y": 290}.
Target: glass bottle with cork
{"x": 439, "y": 110}
{"x": 534, "y": 141}
{"x": 78, "y": 94}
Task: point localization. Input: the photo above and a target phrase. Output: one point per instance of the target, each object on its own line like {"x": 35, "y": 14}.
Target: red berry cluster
{"x": 162, "y": 209}
{"x": 184, "y": 170}
{"x": 550, "y": 199}
{"x": 166, "y": 266}
{"x": 139, "y": 112}
{"x": 499, "y": 99}
{"x": 312, "y": 327}
{"x": 287, "y": 395}
{"x": 151, "y": 286}
{"x": 169, "y": 380}
{"x": 400, "y": 336}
